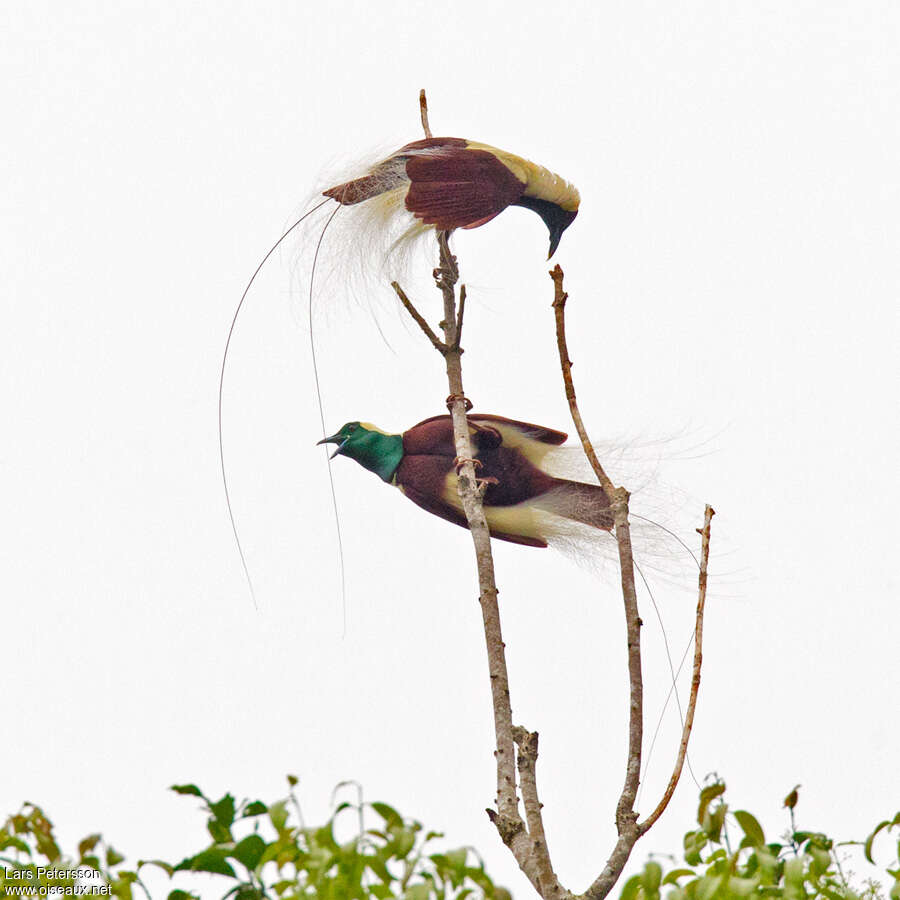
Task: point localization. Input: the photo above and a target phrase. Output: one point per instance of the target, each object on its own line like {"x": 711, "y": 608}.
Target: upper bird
{"x": 450, "y": 183}
{"x": 523, "y": 503}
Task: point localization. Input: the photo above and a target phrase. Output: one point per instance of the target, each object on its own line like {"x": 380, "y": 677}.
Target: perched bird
{"x": 524, "y": 502}
{"x": 449, "y": 183}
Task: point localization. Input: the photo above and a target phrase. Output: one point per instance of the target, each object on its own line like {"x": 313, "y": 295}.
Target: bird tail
{"x": 357, "y": 190}
{"x": 584, "y": 503}
{"x": 389, "y": 175}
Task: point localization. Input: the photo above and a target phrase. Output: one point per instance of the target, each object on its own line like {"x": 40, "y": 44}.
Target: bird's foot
{"x": 460, "y": 461}
{"x": 454, "y": 397}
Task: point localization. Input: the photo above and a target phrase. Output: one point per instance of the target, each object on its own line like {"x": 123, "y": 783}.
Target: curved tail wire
{"x": 315, "y": 365}
{"x": 234, "y": 319}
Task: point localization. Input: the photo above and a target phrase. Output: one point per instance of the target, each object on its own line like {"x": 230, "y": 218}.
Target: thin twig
{"x": 526, "y": 763}
{"x": 459, "y": 317}
{"x": 423, "y": 110}
{"x": 419, "y": 319}
{"x": 559, "y": 309}
{"x": 626, "y": 817}
{"x": 647, "y": 824}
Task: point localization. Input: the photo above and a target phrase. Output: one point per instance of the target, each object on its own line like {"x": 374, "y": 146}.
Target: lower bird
{"x": 523, "y": 502}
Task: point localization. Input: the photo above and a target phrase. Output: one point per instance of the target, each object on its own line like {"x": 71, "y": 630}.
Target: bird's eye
{"x": 352, "y": 427}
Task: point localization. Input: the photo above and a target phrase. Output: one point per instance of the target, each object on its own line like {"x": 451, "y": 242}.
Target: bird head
{"x": 558, "y": 222}
{"x": 372, "y": 448}
{"x": 556, "y": 218}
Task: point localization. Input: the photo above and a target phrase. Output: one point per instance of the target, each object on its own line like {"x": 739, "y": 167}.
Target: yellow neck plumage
{"x": 540, "y": 183}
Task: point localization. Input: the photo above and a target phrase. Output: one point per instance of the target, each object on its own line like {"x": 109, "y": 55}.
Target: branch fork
{"x": 525, "y": 837}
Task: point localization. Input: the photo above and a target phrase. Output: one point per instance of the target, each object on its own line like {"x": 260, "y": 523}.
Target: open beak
{"x": 334, "y": 439}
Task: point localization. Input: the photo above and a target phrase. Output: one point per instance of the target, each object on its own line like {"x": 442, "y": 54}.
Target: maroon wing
{"x": 534, "y": 432}
{"x": 454, "y": 187}
{"x": 434, "y": 436}
{"x": 422, "y": 479}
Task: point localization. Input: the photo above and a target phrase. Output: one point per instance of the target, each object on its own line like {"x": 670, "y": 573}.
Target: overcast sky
{"x": 733, "y": 278}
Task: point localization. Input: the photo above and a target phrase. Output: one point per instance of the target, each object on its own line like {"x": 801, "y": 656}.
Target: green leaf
{"x": 742, "y": 887}
{"x": 418, "y": 892}
{"x": 651, "y": 877}
{"x": 378, "y": 865}
{"x": 714, "y": 822}
{"x": 113, "y": 858}
{"x": 324, "y": 837}
{"x": 168, "y": 868}
{"x": 388, "y": 813}
{"x": 181, "y": 895}
{"x": 673, "y": 876}
{"x": 218, "y": 832}
{"x": 212, "y": 860}
{"x": 405, "y": 840}
{"x": 20, "y": 845}
{"x": 793, "y": 880}
{"x": 293, "y": 780}
{"x": 694, "y": 842}
{"x": 191, "y": 789}
{"x": 751, "y": 828}
{"x": 631, "y": 888}
{"x": 821, "y": 859}
{"x": 456, "y": 859}
{"x": 278, "y": 815}
{"x": 223, "y": 810}
{"x": 707, "y": 795}
{"x": 249, "y": 851}
{"x": 247, "y": 892}
{"x": 88, "y": 844}
{"x": 256, "y": 808}
{"x": 706, "y": 887}
{"x": 868, "y": 845}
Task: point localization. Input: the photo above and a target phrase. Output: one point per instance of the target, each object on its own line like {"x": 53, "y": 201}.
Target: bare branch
{"x": 459, "y": 317}
{"x": 559, "y": 309}
{"x": 626, "y": 817}
{"x": 419, "y": 319}
{"x": 527, "y": 742}
{"x": 509, "y": 821}
{"x": 647, "y": 824}
{"x": 423, "y": 110}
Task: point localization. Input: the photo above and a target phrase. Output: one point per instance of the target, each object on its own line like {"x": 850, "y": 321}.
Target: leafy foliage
{"x": 260, "y": 851}
{"x": 722, "y": 865}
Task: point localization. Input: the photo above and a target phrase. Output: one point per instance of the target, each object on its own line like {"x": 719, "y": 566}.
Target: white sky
{"x": 733, "y": 277}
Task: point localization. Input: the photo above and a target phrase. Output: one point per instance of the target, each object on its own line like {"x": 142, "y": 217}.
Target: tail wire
{"x": 234, "y": 319}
